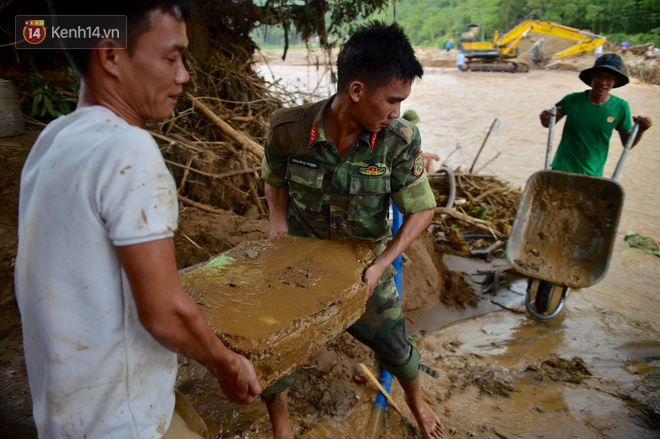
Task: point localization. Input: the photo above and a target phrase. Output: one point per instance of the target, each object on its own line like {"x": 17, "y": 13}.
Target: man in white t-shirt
{"x": 102, "y": 308}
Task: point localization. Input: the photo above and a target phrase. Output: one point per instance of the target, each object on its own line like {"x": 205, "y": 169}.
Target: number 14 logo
{"x": 34, "y": 31}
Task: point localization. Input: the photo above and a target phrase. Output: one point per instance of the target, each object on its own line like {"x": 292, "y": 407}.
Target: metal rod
{"x": 551, "y": 133}
{"x": 629, "y": 143}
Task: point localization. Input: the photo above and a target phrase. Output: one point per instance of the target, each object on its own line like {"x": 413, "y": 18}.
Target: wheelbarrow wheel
{"x": 543, "y": 297}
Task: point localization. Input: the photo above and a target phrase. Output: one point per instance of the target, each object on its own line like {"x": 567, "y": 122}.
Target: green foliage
{"x": 634, "y": 39}
{"x": 308, "y": 19}
{"x": 432, "y": 22}
{"x": 45, "y": 98}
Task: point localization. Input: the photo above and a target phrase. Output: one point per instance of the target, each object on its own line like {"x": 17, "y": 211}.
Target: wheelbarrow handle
{"x": 551, "y": 133}
{"x": 626, "y": 148}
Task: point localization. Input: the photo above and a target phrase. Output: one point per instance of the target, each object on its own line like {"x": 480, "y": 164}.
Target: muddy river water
{"x": 612, "y": 326}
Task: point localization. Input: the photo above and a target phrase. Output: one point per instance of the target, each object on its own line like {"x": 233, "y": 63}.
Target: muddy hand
{"x": 371, "y": 277}
{"x": 238, "y": 380}
{"x": 643, "y": 121}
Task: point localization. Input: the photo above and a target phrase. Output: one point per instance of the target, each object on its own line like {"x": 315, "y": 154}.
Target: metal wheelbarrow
{"x": 564, "y": 232}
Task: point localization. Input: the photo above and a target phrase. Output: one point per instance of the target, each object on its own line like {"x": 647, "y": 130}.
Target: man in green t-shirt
{"x": 591, "y": 116}
{"x": 330, "y": 170}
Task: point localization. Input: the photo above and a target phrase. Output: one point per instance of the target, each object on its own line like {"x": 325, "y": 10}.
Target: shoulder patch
{"x": 286, "y": 115}
{"x": 418, "y": 165}
{"x": 402, "y": 128}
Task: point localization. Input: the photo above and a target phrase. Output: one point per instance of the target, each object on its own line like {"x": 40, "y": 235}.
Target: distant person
{"x": 591, "y": 116}
{"x": 450, "y": 42}
{"x": 102, "y": 308}
{"x": 598, "y": 51}
{"x": 427, "y": 157}
{"x": 460, "y": 60}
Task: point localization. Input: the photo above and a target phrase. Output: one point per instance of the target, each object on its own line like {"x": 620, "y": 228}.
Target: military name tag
{"x": 304, "y": 163}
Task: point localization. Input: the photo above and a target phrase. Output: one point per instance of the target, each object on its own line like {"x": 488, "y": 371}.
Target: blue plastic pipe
{"x": 380, "y": 404}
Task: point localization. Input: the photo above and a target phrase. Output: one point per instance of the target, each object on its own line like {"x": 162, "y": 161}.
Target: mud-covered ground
{"x": 592, "y": 372}
{"x": 200, "y": 236}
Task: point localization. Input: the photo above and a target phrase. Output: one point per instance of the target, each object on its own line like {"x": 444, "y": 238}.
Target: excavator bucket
{"x": 536, "y": 51}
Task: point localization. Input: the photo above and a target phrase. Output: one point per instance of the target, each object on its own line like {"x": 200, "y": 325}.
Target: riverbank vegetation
{"x": 431, "y": 22}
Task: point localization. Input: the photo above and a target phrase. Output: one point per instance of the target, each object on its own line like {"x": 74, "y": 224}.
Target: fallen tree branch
{"x": 495, "y": 190}
{"x": 200, "y": 206}
{"x": 236, "y": 136}
{"x": 484, "y": 225}
{"x": 172, "y": 141}
{"x": 208, "y": 174}
{"x": 489, "y": 162}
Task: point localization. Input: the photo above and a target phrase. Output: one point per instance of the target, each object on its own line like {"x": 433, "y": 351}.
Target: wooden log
{"x": 245, "y": 142}
{"x": 204, "y": 207}
{"x": 484, "y": 225}
{"x": 492, "y": 191}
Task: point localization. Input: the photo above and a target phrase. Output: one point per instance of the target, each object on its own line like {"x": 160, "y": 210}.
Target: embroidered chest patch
{"x": 305, "y": 163}
{"x": 610, "y": 119}
{"x": 418, "y": 166}
{"x": 372, "y": 170}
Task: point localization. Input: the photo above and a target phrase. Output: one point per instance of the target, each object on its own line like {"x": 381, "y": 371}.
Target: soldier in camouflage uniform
{"x": 331, "y": 169}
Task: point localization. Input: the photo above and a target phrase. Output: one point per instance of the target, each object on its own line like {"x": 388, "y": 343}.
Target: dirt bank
{"x": 16, "y": 404}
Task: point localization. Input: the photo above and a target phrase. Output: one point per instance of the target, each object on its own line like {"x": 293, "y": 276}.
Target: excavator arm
{"x": 585, "y": 41}
{"x": 496, "y": 55}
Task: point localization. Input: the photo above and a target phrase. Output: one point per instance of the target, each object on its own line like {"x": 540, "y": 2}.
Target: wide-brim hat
{"x": 608, "y": 61}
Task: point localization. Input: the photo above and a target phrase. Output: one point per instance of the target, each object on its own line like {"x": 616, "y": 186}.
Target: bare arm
{"x": 177, "y": 323}
{"x": 545, "y": 116}
{"x": 278, "y": 206}
{"x": 412, "y": 226}
{"x": 644, "y": 124}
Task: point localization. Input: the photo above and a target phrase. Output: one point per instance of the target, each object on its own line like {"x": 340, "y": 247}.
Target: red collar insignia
{"x": 373, "y": 140}
{"x": 312, "y": 134}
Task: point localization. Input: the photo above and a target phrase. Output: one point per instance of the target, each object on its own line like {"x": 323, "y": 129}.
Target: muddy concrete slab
{"x": 276, "y": 301}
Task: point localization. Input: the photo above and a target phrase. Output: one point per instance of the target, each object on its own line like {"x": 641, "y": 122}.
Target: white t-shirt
{"x": 90, "y": 183}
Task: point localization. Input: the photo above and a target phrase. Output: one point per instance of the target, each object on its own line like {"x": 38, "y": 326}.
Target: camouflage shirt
{"x": 331, "y": 197}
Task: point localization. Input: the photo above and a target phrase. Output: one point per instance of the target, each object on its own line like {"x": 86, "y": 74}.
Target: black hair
{"x": 136, "y": 12}
{"x": 376, "y": 53}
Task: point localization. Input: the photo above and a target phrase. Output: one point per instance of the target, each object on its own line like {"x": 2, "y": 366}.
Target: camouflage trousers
{"x": 381, "y": 328}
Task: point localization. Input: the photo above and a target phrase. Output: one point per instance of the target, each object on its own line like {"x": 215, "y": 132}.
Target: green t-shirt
{"x": 586, "y": 138}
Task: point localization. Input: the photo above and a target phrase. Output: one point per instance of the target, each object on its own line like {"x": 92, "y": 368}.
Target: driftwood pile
{"x": 481, "y": 219}
{"x": 214, "y": 141}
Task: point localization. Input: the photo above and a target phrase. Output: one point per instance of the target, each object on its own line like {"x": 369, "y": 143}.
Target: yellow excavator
{"x": 496, "y": 55}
